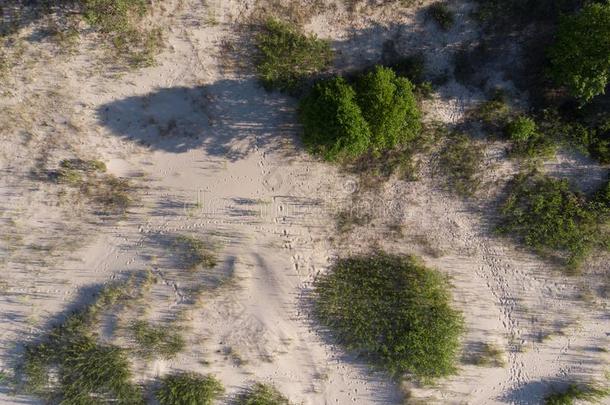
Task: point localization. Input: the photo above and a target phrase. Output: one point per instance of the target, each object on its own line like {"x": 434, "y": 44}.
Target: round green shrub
{"x": 393, "y": 310}
{"x": 389, "y": 107}
{"x": 188, "y": 389}
{"x": 521, "y": 129}
{"x": 580, "y": 56}
{"x": 333, "y": 125}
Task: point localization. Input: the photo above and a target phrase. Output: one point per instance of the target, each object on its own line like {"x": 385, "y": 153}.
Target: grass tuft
{"x": 551, "y": 219}
{"x": 194, "y": 253}
{"x": 460, "y": 161}
{"x": 188, "y": 389}
{"x": 153, "y": 340}
{"x": 288, "y": 58}
{"x": 442, "y": 15}
{"x": 262, "y": 394}
{"x": 394, "y": 311}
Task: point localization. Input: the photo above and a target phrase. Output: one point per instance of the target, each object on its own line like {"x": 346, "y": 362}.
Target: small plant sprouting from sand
{"x": 157, "y": 340}
{"x": 262, "y": 394}
{"x": 194, "y": 253}
{"x": 577, "y": 392}
{"x": 188, "y": 388}
{"x": 381, "y": 304}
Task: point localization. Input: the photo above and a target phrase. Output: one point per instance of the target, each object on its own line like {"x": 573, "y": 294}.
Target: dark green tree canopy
{"x": 580, "y": 57}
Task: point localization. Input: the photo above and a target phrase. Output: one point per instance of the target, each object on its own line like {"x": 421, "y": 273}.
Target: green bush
{"x": 442, "y": 14}
{"x": 341, "y": 123}
{"x": 549, "y": 218}
{"x": 262, "y": 394}
{"x": 287, "y": 57}
{"x": 393, "y": 310}
{"x": 333, "y": 124}
{"x": 188, "y": 389}
{"x": 527, "y": 139}
{"x": 521, "y": 129}
{"x": 389, "y": 107}
{"x": 580, "y": 56}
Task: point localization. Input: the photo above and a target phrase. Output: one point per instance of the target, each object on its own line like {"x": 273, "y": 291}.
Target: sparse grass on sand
{"x": 194, "y": 253}
{"x": 460, "y": 162}
{"x": 188, "y": 389}
{"x": 157, "y": 340}
{"x": 576, "y": 392}
{"x": 262, "y": 394}
{"x": 111, "y": 195}
{"x": 393, "y": 310}
{"x": 70, "y": 366}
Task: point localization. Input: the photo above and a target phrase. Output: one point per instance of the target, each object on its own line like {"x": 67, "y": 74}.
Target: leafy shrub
{"x": 341, "y": 123}
{"x": 442, "y": 14}
{"x": 262, "y": 394}
{"x": 393, "y": 310}
{"x": 333, "y": 124}
{"x": 589, "y": 393}
{"x": 521, "y": 129}
{"x": 550, "y": 218}
{"x": 580, "y": 56}
{"x": 389, "y": 107}
{"x": 288, "y": 57}
{"x": 460, "y": 161}
{"x": 527, "y": 140}
{"x": 152, "y": 339}
{"x": 188, "y": 389}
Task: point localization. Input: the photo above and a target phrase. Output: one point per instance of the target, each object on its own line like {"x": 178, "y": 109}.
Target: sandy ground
{"x": 215, "y": 156}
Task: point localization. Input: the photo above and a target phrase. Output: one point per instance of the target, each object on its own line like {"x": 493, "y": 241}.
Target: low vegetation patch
{"x": 551, "y": 219}
{"x": 394, "y": 311}
{"x": 575, "y": 392}
{"x": 442, "y": 15}
{"x": 153, "y": 340}
{"x": 288, "y": 58}
{"x": 112, "y": 195}
{"x": 342, "y": 122}
{"x": 70, "y": 366}
{"x": 188, "y": 389}
{"x": 460, "y": 162}
{"x": 527, "y": 140}
{"x": 487, "y": 355}
{"x": 262, "y": 394}
{"x": 194, "y": 253}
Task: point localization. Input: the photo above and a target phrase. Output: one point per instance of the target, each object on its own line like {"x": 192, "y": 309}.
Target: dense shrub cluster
{"x": 288, "y": 57}
{"x": 341, "y": 121}
{"x": 527, "y": 139}
{"x": 188, "y": 389}
{"x": 393, "y": 310}
{"x": 551, "y": 219}
{"x": 580, "y": 56}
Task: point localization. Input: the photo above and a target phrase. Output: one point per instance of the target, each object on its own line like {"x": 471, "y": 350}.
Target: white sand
{"x": 218, "y": 157}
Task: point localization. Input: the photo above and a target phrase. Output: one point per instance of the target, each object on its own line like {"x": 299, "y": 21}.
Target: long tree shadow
{"x": 228, "y": 119}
